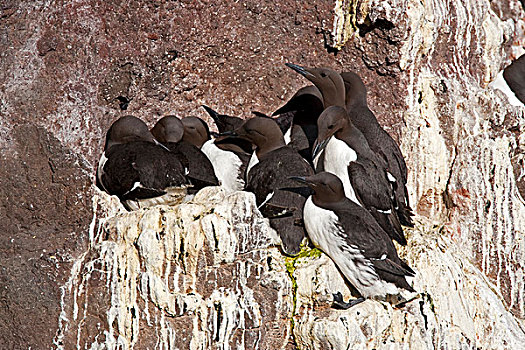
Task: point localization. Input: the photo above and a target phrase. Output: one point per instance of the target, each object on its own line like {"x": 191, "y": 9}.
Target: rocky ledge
{"x": 208, "y": 274}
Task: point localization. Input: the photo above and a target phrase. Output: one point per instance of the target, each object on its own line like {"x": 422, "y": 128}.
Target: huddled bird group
{"x": 321, "y": 167}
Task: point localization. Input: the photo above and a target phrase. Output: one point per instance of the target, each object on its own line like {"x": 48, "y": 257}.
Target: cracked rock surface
{"x": 207, "y": 275}
{"x": 199, "y": 275}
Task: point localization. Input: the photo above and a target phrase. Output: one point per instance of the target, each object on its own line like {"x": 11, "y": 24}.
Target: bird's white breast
{"x": 319, "y": 223}
{"x": 288, "y": 135}
{"x": 100, "y": 171}
{"x": 253, "y": 161}
{"x": 326, "y": 234}
{"x": 501, "y": 84}
{"x": 226, "y": 165}
{"x": 337, "y": 157}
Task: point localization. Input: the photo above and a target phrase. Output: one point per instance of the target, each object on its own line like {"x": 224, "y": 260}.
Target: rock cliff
{"x": 208, "y": 275}
{"x": 77, "y": 271}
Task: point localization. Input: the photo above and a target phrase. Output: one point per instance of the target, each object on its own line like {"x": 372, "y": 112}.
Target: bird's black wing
{"x": 159, "y": 169}
{"x": 376, "y": 194}
{"x": 273, "y": 172}
{"x": 200, "y": 170}
{"x": 270, "y": 181}
{"x": 138, "y": 170}
{"x": 388, "y": 150}
{"x": 118, "y": 174}
{"x": 370, "y": 184}
{"x": 363, "y": 232}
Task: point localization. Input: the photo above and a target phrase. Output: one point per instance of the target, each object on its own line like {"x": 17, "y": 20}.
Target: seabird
{"x": 351, "y": 237}
{"x": 196, "y": 131}
{"x": 347, "y": 90}
{"x": 511, "y": 81}
{"x": 137, "y": 169}
{"x": 224, "y": 122}
{"x": 364, "y": 175}
{"x": 379, "y": 141}
{"x": 298, "y": 119}
{"x": 169, "y": 131}
{"x": 228, "y": 159}
{"x": 329, "y": 83}
{"x": 279, "y": 198}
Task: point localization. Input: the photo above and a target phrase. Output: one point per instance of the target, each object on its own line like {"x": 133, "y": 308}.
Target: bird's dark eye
{"x": 323, "y": 75}
{"x": 331, "y": 126}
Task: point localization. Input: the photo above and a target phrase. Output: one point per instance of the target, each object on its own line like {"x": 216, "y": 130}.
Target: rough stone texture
{"x": 44, "y": 215}
{"x": 68, "y": 69}
{"x": 206, "y": 275}
{"x": 458, "y": 308}
{"x": 200, "y": 275}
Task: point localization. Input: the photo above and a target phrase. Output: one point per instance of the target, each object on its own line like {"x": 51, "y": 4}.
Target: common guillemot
{"x": 137, "y": 169}
{"x": 298, "y": 119}
{"x": 351, "y": 237}
{"x": 228, "y": 159}
{"x": 379, "y": 141}
{"x": 347, "y": 90}
{"x": 329, "y": 83}
{"x": 364, "y": 175}
{"x": 279, "y": 198}
{"x": 169, "y": 131}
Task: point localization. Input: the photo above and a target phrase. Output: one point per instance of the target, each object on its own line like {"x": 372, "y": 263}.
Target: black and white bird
{"x": 278, "y": 197}
{"x": 379, "y": 141}
{"x": 137, "y": 169}
{"x": 351, "y": 237}
{"x": 347, "y": 90}
{"x": 224, "y": 122}
{"x": 169, "y": 131}
{"x": 298, "y": 119}
{"x": 511, "y": 81}
{"x": 341, "y": 149}
{"x": 229, "y": 160}
{"x": 328, "y": 81}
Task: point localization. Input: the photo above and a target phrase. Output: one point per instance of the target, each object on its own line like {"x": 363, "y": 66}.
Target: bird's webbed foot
{"x": 338, "y": 302}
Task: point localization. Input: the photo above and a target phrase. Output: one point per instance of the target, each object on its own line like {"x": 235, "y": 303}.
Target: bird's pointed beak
{"x": 211, "y": 112}
{"x": 319, "y": 146}
{"x": 231, "y": 133}
{"x": 303, "y": 180}
{"x": 301, "y": 70}
{"x": 228, "y": 135}
{"x": 300, "y": 179}
{"x": 161, "y": 145}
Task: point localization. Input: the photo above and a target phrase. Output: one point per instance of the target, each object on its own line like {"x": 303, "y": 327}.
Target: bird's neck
{"x": 334, "y": 98}
{"x": 358, "y": 100}
{"x": 329, "y": 202}
{"x": 269, "y": 146}
{"x": 352, "y": 135}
